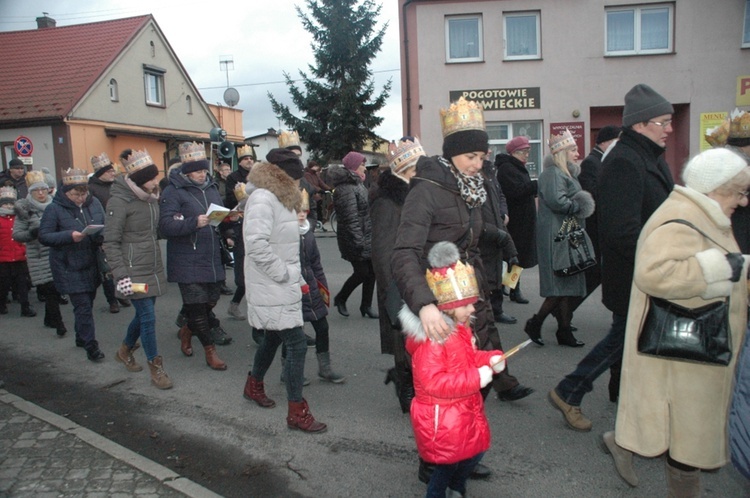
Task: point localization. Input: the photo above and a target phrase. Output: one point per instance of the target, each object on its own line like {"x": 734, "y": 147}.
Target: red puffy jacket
{"x": 447, "y": 413}
{"x": 10, "y": 250}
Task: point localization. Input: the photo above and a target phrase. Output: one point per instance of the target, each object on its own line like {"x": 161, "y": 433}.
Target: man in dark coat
{"x": 635, "y": 179}
{"x": 15, "y": 176}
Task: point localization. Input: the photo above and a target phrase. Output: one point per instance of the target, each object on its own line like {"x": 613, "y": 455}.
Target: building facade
{"x": 539, "y": 66}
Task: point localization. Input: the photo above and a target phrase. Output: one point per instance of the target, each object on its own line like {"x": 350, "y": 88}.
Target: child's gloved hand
{"x": 498, "y": 363}
{"x": 485, "y": 375}
{"x": 125, "y": 286}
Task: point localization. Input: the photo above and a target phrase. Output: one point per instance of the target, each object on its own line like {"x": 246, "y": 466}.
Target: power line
{"x": 283, "y": 81}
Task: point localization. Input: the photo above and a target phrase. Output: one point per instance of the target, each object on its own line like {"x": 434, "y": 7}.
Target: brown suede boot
{"x": 159, "y": 377}
{"x": 255, "y": 391}
{"x": 185, "y": 335}
{"x": 125, "y": 356}
{"x": 299, "y": 417}
{"x": 683, "y": 484}
{"x": 212, "y": 359}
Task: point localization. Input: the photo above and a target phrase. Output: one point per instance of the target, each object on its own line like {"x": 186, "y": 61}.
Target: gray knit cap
{"x": 643, "y": 103}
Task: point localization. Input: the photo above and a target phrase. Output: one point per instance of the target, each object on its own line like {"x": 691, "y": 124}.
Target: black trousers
{"x": 363, "y": 274}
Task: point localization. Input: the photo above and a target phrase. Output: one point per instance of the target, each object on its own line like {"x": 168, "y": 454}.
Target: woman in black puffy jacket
{"x": 354, "y": 235}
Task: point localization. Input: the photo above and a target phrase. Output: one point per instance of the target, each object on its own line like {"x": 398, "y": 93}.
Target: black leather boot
{"x": 533, "y": 329}
{"x": 565, "y": 338}
{"x": 515, "y": 295}
{"x": 406, "y": 387}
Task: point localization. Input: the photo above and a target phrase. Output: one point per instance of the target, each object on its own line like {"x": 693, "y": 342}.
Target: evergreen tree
{"x": 337, "y": 102}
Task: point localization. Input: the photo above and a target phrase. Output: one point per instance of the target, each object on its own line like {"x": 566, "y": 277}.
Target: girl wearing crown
{"x": 447, "y": 413}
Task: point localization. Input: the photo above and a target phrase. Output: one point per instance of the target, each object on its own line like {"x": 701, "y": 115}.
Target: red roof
{"x": 47, "y": 71}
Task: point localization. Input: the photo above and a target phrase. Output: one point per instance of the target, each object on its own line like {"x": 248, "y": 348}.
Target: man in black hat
{"x": 15, "y": 176}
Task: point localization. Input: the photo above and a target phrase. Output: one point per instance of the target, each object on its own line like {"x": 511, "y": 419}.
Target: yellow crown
{"x": 191, "y": 152}
{"x": 404, "y": 155}
{"x": 35, "y": 176}
{"x": 239, "y": 191}
{"x": 562, "y": 141}
{"x": 288, "y": 139}
{"x": 100, "y": 161}
{"x": 305, "y": 206}
{"x": 740, "y": 124}
{"x": 75, "y": 176}
{"x": 8, "y": 193}
{"x": 462, "y": 115}
{"x": 245, "y": 150}
{"x": 717, "y": 136}
{"x": 454, "y": 285}
{"x": 138, "y": 160}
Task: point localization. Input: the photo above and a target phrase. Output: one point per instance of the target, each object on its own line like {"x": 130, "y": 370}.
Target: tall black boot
{"x": 565, "y": 337}
{"x": 533, "y": 329}
{"x": 614, "y": 381}
{"x": 515, "y": 295}
{"x": 406, "y": 387}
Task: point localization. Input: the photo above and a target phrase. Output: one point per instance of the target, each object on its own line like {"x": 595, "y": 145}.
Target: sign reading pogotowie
{"x": 501, "y": 99}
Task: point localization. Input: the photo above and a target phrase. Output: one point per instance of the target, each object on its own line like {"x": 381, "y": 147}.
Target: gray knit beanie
{"x": 643, "y": 103}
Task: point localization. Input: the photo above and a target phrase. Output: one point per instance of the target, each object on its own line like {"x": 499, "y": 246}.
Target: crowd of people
{"x": 452, "y": 224}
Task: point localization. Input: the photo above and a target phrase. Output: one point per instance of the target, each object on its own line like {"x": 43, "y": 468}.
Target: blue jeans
{"x": 143, "y": 326}
{"x": 452, "y": 476}
{"x": 605, "y": 354}
{"x": 83, "y": 312}
{"x": 296, "y": 347}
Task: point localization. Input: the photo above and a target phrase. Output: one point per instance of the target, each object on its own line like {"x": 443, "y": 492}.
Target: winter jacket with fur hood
{"x": 350, "y": 198}
{"x": 26, "y": 230}
{"x": 560, "y": 196}
{"x": 447, "y": 413}
{"x": 273, "y": 276}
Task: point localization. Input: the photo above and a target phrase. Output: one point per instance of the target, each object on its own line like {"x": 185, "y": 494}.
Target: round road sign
{"x": 23, "y": 146}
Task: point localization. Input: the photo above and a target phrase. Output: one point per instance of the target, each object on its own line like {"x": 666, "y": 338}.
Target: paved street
{"x": 368, "y": 449}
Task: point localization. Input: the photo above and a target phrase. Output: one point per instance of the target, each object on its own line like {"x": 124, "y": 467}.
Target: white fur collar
{"x": 411, "y": 325}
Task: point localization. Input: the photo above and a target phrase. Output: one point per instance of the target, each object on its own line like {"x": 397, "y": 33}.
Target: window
{"x": 639, "y": 30}
{"x": 522, "y": 38}
{"x": 153, "y": 49}
{"x": 463, "y": 39}
{"x": 114, "y": 95}
{"x": 153, "y": 78}
{"x": 189, "y": 104}
{"x": 746, "y": 32}
{"x": 501, "y": 133}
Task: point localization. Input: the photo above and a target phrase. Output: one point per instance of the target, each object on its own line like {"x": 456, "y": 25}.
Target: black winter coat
{"x": 385, "y": 212}
{"x": 520, "y": 194}
{"x": 20, "y": 184}
{"x": 589, "y": 180}
{"x": 235, "y": 177}
{"x": 495, "y": 243}
{"x": 633, "y": 182}
{"x": 100, "y": 190}
{"x": 193, "y": 254}
{"x": 313, "y": 307}
{"x": 354, "y": 233}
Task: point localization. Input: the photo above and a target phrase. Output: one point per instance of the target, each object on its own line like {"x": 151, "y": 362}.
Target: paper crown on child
{"x": 563, "y": 141}
{"x": 74, "y": 177}
{"x": 404, "y": 154}
{"x": 305, "y": 205}
{"x": 461, "y": 115}
{"x": 239, "y": 191}
{"x": 136, "y": 161}
{"x": 35, "y": 180}
{"x": 244, "y": 151}
{"x": 100, "y": 161}
{"x": 452, "y": 282}
{"x": 8, "y": 195}
{"x": 288, "y": 139}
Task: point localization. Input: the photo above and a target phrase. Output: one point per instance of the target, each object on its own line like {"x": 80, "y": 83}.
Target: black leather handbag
{"x": 572, "y": 250}
{"x": 699, "y": 334}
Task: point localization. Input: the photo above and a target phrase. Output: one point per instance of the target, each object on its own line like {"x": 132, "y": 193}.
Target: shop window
{"x": 639, "y": 30}
{"x": 463, "y": 38}
{"x": 522, "y": 35}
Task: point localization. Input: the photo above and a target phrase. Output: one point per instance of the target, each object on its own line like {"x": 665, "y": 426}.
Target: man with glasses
{"x": 633, "y": 182}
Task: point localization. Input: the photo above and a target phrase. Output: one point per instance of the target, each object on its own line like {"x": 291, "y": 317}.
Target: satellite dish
{"x": 231, "y": 97}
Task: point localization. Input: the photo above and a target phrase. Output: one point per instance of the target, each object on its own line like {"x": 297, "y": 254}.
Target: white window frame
{"x": 155, "y": 75}
{"x": 746, "y": 26}
{"x": 480, "y": 51}
{"x": 538, "y": 55}
{"x": 114, "y": 93}
{"x": 637, "y": 15}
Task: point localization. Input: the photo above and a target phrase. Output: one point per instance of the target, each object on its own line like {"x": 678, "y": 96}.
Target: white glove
{"x": 485, "y": 375}
{"x": 498, "y": 363}
{"x": 125, "y": 286}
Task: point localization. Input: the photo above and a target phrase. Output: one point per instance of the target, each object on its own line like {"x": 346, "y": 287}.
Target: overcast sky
{"x": 264, "y": 41}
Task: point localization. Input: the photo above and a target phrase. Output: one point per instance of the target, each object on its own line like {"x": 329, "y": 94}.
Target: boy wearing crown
{"x": 447, "y": 413}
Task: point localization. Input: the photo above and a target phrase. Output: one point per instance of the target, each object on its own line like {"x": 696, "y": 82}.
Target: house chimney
{"x": 45, "y": 22}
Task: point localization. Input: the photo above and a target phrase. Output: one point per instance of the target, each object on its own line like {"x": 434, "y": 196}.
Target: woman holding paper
{"x": 193, "y": 247}
{"x": 132, "y": 247}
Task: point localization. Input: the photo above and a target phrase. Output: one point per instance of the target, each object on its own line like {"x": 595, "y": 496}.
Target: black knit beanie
{"x": 144, "y": 175}
{"x": 98, "y": 173}
{"x": 288, "y": 161}
{"x": 465, "y": 141}
{"x": 194, "y": 166}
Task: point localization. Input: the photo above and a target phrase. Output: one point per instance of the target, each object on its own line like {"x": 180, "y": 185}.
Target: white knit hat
{"x": 711, "y": 169}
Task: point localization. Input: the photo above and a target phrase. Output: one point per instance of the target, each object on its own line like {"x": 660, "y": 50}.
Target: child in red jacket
{"x": 13, "y": 270}
{"x": 447, "y": 413}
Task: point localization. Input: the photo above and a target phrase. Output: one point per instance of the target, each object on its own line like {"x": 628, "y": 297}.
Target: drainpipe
{"x": 407, "y": 75}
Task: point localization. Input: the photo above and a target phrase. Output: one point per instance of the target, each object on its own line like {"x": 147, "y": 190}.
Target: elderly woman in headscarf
{"x": 666, "y": 405}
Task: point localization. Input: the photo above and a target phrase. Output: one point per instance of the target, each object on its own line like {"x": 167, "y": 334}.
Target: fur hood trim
{"x": 392, "y": 188}
{"x": 411, "y": 325}
{"x": 272, "y": 178}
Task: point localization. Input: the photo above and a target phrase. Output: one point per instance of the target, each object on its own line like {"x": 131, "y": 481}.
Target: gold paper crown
{"x": 245, "y": 150}
{"x": 8, "y": 193}
{"x": 562, "y": 141}
{"x": 717, "y": 136}
{"x": 288, "y": 139}
{"x": 404, "y": 155}
{"x": 191, "y": 152}
{"x": 305, "y": 206}
{"x": 100, "y": 161}
{"x": 740, "y": 124}
{"x": 136, "y": 161}
{"x": 35, "y": 176}
{"x": 462, "y": 115}
{"x": 75, "y": 176}
{"x": 239, "y": 191}
{"x": 453, "y": 286}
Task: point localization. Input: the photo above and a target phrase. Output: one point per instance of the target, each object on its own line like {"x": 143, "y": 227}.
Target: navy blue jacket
{"x": 313, "y": 307}
{"x": 193, "y": 254}
{"x": 73, "y": 264}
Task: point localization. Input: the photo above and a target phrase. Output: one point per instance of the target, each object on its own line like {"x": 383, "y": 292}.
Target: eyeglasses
{"x": 663, "y": 124}
{"x": 745, "y": 194}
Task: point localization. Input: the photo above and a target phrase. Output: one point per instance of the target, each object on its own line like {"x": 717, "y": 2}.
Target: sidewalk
{"x": 46, "y": 455}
